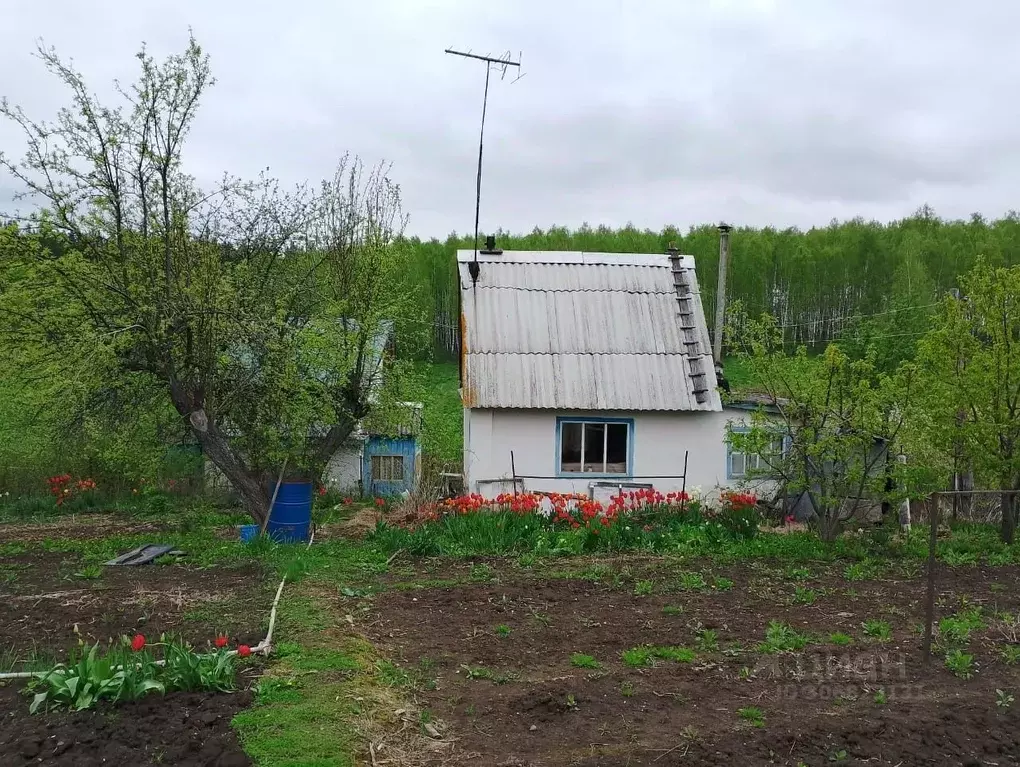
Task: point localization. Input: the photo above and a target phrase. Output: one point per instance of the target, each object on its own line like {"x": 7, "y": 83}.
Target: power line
{"x": 850, "y": 318}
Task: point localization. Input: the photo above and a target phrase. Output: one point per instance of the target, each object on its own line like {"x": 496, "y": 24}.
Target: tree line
{"x": 816, "y": 283}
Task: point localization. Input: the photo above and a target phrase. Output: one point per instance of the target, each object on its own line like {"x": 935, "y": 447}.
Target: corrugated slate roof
{"x": 584, "y": 331}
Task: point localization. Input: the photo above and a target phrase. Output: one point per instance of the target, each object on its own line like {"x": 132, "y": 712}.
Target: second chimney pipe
{"x": 720, "y": 293}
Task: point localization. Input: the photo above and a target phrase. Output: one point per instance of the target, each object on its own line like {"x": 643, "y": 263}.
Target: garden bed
{"x": 45, "y": 595}
{"x": 55, "y": 595}
{"x": 577, "y": 663}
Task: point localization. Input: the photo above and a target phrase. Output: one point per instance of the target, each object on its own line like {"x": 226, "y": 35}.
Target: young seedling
{"x": 859, "y": 571}
{"x": 526, "y": 561}
{"x": 571, "y": 702}
{"x": 481, "y": 572}
{"x": 476, "y": 672}
{"x": 1010, "y": 654}
{"x": 752, "y": 715}
{"x": 841, "y": 639}
{"x": 955, "y": 630}
{"x": 722, "y": 584}
{"x": 672, "y": 610}
{"x": 804, "y": 596}
{"x": 877, "y": 630}
{"x": 960, "y": 663}
{"x": 707, "y": 640}
{"x": 880, "y": 697}
{"x": 780, "y": 637}
{"x": 627, "y": 689}
{"x": 1003, "y": 699}
{"x": 502, "y": 631}
{"x": 691, "y": 581}
{"x": 643, "y": 588}
{"x": 798, "y": 573}
{"x": 579, "y": 660}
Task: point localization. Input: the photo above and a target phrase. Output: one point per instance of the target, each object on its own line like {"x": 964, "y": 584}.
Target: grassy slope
{"x": 443, "y": 439}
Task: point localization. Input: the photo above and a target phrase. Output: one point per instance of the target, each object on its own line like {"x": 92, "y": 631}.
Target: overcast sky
{"x": 781, "y": 112}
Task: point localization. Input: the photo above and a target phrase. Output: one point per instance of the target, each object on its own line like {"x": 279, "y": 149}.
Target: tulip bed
{"x": 555, "y": 523}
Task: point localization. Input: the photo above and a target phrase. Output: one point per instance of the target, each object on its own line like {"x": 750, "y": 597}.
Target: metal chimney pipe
{"x": 720, "y": 292}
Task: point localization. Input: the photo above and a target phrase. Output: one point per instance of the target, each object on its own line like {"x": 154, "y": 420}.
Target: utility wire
{"x": 856, "y": 316}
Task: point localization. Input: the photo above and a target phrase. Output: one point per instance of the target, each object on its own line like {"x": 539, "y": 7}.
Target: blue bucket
{"x": 249, "y": 533}
{"x": 290, "y": 520}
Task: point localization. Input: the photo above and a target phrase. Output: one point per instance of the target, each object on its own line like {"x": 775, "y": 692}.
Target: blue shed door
{"x": 389, "y": 465}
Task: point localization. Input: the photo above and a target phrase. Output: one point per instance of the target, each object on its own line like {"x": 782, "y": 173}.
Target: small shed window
{"x": 740, "y": 465}
{"x": 387, "y": 468}
{"x": 595, "y": 447}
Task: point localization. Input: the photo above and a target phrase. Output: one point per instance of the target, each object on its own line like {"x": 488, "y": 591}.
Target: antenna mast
{"x": 502, "y": 64}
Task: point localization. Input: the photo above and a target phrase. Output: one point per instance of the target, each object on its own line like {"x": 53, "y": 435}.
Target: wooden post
{"x": 929, "y": 605}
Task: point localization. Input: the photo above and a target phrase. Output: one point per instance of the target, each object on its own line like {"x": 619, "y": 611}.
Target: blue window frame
{"x": 594, "y": 447}
{"x": 740, "y": 465}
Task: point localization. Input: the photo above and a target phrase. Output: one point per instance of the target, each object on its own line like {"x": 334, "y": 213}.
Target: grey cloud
{"x": 784, "y": 112}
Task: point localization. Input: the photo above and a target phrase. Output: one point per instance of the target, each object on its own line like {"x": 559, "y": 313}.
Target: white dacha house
{"x": 588, "y": 372}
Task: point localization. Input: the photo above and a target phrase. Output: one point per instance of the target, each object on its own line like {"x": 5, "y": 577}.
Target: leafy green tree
{"x": 258, "y": 314}
{"x": 971, "y": 359}
{"x": 835, "y": 418}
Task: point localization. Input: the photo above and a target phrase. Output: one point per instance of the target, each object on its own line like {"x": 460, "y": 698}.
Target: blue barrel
{"x": 290, "y": 519}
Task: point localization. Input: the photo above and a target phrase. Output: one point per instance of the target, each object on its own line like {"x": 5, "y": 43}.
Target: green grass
{"x": 324, "y": 685}
{"x": 752, "y": 715}
{"x": 579, "y": 660}
{"x": 442, "y": 413}
{"x": 672, "y": 610}
{"x": 638, "y": 657}
{"x": 841, "y": 639}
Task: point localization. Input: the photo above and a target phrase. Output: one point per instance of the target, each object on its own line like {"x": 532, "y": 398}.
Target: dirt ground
{"x": 181, "y": 729}
{"x": 45, "y": 601}
{"x": 496, "y": 653}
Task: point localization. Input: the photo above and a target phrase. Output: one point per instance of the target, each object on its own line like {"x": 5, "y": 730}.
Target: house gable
{"x": 584, "y": 331}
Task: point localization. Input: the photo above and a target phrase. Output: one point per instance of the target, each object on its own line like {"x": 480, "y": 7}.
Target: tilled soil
{"x": 47, "y": 609}
{"x": 518, "y": 700}
{"x": 181, "y": 729}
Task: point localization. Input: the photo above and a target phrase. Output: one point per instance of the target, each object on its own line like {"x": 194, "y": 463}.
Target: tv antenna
{"x": 502, "y": 64}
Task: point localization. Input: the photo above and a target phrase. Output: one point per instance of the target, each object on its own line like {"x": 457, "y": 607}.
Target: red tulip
{"x": 221, "y": 641}
{"x": 138, "y": 642}
{"x": 244, "y": 650}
